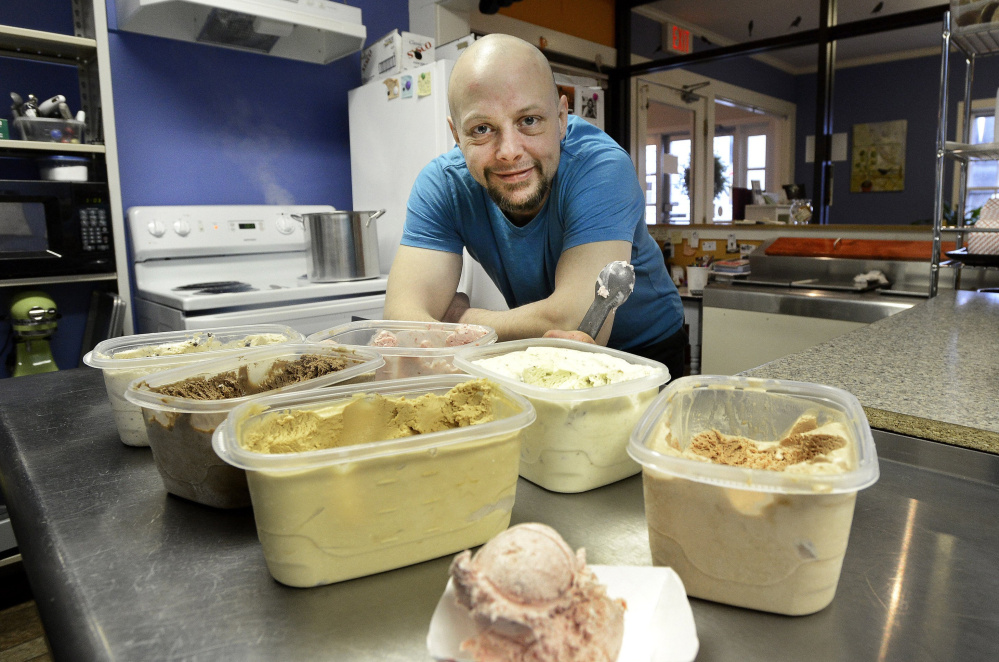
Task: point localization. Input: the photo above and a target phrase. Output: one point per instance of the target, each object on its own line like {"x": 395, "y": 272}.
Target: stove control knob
{"x": 183, "y": 228}
{"x": 156, "y": 228}
{"x": 285, "y": 225}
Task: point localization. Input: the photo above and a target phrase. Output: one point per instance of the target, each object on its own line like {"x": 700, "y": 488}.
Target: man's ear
{"x": 454, "y": 133}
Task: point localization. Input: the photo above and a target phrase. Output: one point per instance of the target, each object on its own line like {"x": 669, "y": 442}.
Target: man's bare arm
{"x": 575, "y": 278}
{"x": 422, "y": 284}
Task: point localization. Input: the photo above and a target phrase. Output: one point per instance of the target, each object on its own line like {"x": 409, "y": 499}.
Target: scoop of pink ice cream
{"x": 384, "y": 338}
{"x": 536, "y": 601}
{"x": 464, "y": 334}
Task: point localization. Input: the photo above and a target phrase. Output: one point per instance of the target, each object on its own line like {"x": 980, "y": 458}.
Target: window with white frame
{"x": 983, "y": 176}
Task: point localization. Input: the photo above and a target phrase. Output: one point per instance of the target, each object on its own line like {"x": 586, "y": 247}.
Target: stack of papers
{"x": 737, "y": 267}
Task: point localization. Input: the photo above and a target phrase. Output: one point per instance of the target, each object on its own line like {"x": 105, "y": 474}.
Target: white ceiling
{"x": 726, "y": 22}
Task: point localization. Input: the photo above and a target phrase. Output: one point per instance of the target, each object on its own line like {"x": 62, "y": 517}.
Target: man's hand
{"x": 459, "y": 304}
{"x": 569, "y": 335}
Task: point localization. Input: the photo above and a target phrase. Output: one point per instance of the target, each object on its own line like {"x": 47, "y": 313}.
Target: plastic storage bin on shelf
{"x": 411, "y": 349}
{"x": 125, "y": 358}
{"x": 182, "y": 407}
{"x": 580, "y": 438}
{"x": 771, "y": 539}
{"x": 376, "y": 500}
{"x": 50, "y": 129}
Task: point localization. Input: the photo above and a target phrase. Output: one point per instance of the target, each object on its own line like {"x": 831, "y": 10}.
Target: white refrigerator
{"x": 398, "y": 124}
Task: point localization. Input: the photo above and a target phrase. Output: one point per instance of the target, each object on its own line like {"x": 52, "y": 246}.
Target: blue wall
{"x": 201, "y": 125}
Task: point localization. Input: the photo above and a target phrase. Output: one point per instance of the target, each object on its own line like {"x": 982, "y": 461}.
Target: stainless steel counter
{"x": 865, "y": 307}
{"x": 122, "y": 571}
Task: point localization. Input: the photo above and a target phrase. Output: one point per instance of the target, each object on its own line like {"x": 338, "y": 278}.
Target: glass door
{"x": 672, "y": 159}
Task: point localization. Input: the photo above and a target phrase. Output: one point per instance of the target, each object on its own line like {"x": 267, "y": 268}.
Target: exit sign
{"x": 677, "y": 39}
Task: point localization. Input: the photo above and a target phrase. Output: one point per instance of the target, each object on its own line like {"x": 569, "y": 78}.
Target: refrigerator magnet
{"x": 406, "y": 85}
{"x": 392, "y": 87}
{"x": 423, "y": 84}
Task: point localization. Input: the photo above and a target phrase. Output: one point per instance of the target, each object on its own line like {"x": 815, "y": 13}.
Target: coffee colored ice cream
{"x": 388, "y": 507}
{"x": 534, "y": 600}
{"x": 763, "y": 550}
{"x": 369, "y": 418}
{"x": 805, "y": 448}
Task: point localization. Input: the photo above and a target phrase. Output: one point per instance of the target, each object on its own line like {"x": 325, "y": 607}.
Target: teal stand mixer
{"x": 33, "y": 320}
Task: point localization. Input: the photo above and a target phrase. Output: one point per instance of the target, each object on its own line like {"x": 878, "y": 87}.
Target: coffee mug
{"x": 697, "y": 278}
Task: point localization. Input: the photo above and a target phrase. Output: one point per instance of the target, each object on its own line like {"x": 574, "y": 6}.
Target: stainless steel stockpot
{"x": 342, "y": 245}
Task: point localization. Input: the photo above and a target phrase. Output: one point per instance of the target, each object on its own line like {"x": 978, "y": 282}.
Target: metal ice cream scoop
{"x": 615, "y": 283}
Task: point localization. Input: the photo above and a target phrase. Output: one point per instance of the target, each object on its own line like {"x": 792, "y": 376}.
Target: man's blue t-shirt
{"x": 595, "y": 197}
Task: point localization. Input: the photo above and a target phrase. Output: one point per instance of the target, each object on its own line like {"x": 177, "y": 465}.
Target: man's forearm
{"x": 529, "y": 321}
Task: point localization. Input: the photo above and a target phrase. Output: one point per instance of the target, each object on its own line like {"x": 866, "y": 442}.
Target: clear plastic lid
{"x": 759, "y": 409}
{"x": 517, "y": 413}
{"x": 149, "y": 350}
{"x": 466, "y": 359}
{"x": 424, "y": 339}
{"x": 257, "y": 362}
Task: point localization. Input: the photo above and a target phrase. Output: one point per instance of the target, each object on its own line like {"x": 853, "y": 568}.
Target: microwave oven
{"x": 54, "y": 228}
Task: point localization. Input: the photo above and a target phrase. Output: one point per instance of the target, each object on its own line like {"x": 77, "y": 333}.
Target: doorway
{"x": 669, "y": 161}
{"x": 722, "y": 135}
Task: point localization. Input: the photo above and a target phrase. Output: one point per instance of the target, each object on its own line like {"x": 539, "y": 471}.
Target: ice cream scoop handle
{"x": 595, "y": 317}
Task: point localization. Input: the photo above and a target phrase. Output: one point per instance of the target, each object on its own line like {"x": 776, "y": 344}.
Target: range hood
{"x": 310, "y": 30}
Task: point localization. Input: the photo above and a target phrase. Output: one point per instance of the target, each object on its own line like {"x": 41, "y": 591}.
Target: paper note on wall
{"x": 423, "y": 84}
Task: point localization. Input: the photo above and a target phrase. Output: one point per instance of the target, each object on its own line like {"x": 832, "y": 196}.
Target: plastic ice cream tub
{"x": 180, "y": 422}
{"x": 411, "y": 349}
{"x": 332, "y": 514}
{"x": 580, "y": 438}
{"x": 749, "y": 536}
{"x": 129, "y": 357}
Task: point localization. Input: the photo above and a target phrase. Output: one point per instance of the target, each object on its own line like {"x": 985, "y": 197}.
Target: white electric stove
{"x": 199, "y": 267}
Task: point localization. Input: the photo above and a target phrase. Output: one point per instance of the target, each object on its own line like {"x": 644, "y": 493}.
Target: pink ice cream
{"x": 536, "y": 601}
{"x": 463, "y": 335}
{"x": 384, "y": 338}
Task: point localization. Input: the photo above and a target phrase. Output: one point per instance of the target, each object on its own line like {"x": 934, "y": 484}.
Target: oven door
{"x": 306, "y": 318}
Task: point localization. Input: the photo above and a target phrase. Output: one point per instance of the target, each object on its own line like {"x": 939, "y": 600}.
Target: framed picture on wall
{"x": 878, "y": 161}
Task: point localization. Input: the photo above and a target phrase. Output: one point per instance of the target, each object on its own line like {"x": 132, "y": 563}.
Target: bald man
{"x": 543, "y": 201}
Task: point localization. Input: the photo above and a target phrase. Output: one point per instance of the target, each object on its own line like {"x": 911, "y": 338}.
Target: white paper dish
{"x": 658, "y": 624}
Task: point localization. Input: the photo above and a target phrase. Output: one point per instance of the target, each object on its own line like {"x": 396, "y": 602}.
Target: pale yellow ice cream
{"x": 564, "y": 368}
{"x": 575, "y": 444}
{"x": 385, "y": 509}
{"x": 776, "y": 552}
{"x": 200, "y": 342}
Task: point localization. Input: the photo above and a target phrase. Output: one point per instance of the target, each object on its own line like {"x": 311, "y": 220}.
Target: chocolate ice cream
{"x": 237, "y": 383}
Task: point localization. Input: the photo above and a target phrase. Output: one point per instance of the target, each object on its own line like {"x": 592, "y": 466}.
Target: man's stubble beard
{"x": 531, "y": 204}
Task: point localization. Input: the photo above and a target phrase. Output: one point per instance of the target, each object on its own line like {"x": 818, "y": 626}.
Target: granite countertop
{"x": 931, "y": 371}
